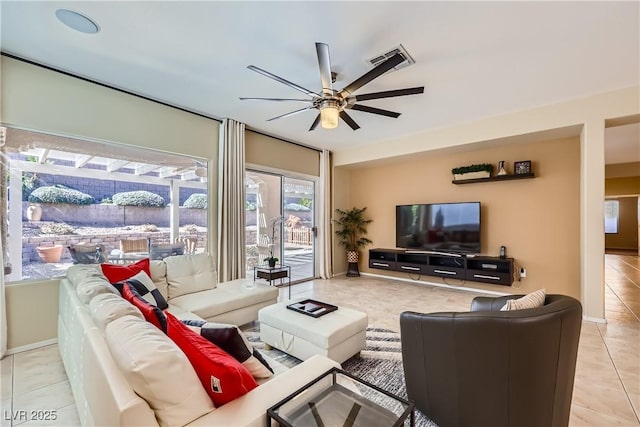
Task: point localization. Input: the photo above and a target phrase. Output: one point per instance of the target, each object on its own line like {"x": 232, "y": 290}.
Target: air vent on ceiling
{"x": 383, "y": 56}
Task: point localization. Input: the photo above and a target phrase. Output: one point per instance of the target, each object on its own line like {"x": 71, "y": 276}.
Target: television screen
{"x": 448, "y": 227}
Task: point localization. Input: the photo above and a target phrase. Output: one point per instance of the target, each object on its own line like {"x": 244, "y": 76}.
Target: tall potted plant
{"x": 351, "y": 234}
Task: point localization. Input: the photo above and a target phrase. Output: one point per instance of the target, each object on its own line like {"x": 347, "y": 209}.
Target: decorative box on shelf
{"x": 471, "y": 175}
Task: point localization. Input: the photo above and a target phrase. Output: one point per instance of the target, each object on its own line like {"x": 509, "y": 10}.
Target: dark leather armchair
{"x": 493, "y": 368}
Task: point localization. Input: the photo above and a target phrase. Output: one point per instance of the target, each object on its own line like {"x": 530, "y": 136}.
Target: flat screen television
{"x": 446, "y": 227}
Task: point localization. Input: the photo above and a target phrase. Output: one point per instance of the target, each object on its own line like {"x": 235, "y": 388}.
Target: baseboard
{"x": 594, "y": 319}
{"x": 32, "y": 346}
{"x": 441, "y": 285}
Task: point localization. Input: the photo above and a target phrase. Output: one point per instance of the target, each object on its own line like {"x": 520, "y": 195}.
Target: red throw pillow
{"x": 150, "y": 312}
{"x": 118, "y": 273}
{"x": 223, "y": 377}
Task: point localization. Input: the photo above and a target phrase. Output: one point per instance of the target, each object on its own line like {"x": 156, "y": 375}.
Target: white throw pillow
{"x": 89, "y": 288}
{"x": 187, "y": 274}
{"x": 106, "y": 308}
{"x": 159, "y": 276}
{"x": 158, "y": 371}
{"x": 531, "y": 300}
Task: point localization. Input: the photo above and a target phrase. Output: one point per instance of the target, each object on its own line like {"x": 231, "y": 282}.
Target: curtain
{"x": 231, "y": 201}
{"x": 324, "y": 216}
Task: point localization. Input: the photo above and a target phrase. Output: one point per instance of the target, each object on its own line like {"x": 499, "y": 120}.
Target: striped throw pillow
{"x": 532, "y": 300}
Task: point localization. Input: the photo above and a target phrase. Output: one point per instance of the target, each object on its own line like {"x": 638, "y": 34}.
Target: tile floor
{"x": 607, "y": 384}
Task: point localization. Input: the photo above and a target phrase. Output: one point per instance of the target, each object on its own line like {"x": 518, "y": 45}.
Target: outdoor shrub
{"x": 149, "y": 228}
{"x": 296, "y": 207}
{"x": 60, "y": 194}
{"x": 138, "y": 198}
{"x": 249, "y": 206}
{"x": 196, "y": 201}
{"x": 56, "y": 228}
{"x": 189, "y": 228}
{"x": 29, "y": 183}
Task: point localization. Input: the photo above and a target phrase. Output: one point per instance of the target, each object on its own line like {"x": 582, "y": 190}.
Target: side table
{"x": 337, "y": 398}
{"x": 274, "y": 273}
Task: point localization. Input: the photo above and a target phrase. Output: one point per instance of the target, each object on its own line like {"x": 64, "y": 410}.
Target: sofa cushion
{"x": 223, "y": 378}
{"x": 79, "y": 272}
{"x": 532, "y": 300}
{"x": 227, "y": 296}
{"x": 146, "y": 288}
{"x": 106, "y": 308}
{"x": 187, "y": 274}
{"x": 117, "y": 273}
{"x": 230, "y": 339}
{"x": 89, "y": 288}
{"x": 157, "y": 370}
{"x": 150, "y": 312}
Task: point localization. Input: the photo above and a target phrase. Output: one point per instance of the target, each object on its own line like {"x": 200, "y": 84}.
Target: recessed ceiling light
{"x": 77, "y": 21}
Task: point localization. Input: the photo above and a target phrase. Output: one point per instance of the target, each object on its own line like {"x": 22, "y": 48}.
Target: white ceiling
{"x": 475, "y": 59}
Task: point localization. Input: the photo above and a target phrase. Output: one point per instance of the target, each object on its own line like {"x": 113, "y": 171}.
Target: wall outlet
{"x": 523, "y": 273}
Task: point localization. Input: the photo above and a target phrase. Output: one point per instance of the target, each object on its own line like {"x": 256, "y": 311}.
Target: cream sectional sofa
{"x": 104, "y": 393}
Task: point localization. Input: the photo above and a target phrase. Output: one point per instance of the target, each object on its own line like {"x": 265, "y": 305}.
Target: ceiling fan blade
{"x": 276, "y": 99}
{"x": 376, "y": 72}
{"x": 348, "y": 120}
{"x": 290, "y": 113}
{"x": 373, "y": 110}
{"x": 315, "y": 123}
{"x": 387, "y": 94}
{"x": 283, "y": 81}
{"x": 324, "y": 62}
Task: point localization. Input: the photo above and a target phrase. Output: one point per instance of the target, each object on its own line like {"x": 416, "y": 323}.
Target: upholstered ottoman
{"x": 337, "y": 335}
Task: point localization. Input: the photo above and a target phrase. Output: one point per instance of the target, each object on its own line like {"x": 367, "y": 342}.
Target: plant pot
{"x": 34, "y": 212}
{"x": 352, "y": 259}
{"x": 50, "y": 253}
{"x": 471, "y": 175}
{"x": 271, "y": 262}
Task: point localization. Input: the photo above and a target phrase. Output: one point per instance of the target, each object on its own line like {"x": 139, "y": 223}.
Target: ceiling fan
{"x": 332, "y": 103}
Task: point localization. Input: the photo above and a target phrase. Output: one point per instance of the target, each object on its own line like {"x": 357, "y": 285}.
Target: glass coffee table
{"x": 337, "y": 398}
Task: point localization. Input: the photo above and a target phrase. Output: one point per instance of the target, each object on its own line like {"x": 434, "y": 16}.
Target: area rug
{"x": 380, "y": 363}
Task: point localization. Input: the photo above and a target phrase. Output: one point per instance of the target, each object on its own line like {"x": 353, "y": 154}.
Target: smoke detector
{"x": 386, "y": 55}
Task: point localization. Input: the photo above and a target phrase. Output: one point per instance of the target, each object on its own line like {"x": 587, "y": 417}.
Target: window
{"x": 63, "y": 196}
{"x": 611, "y": 215}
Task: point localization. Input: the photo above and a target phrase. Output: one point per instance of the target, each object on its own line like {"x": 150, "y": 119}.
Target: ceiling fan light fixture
{"x": 329, "y": 114}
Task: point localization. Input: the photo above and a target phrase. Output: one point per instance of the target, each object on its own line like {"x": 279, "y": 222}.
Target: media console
{"x": 498, "y": 271}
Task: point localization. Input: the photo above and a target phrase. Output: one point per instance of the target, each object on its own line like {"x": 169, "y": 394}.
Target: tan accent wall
{"x": 627, "y": 236}
{"x": 621, "y": 170}
{"x": 274, "y": 153}
{"x": 622, "y": 186}
{"x": 340, "y": 199}
{"x": 32, "y": 312}
{"x": 536, "y": 219}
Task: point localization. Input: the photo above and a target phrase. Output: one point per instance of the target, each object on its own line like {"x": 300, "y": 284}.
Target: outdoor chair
{"x": 189, "y": 243}
{"x": 128, "y": 246}
{"x": 87, "y": 253}
{"x": 163, "y": 250}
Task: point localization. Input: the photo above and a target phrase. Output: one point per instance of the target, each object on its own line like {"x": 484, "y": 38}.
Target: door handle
{"x": 314, "y": 229}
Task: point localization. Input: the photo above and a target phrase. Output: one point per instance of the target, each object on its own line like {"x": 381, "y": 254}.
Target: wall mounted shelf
{"x": 494, "y": 178}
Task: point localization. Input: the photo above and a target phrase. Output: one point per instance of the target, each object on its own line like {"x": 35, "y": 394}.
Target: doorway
{"x": 280, "y": 222}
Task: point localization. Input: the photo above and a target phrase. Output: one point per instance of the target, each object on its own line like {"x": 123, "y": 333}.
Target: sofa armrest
{"x": 251, "y": 409}
{"x": 491, "y": 303}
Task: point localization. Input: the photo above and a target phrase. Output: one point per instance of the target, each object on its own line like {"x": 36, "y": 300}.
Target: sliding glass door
{"x": 280, "y": 212}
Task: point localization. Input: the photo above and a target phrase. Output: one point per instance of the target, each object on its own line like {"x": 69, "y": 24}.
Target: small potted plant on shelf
{"x": 352, "y": 235}
{"x": 481, "y": 170}
{"x": 271, "y": 260}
